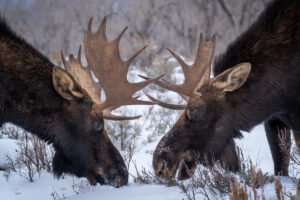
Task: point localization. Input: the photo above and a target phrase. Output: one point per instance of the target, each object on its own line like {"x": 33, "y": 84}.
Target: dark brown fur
{"x": 271, "y": 94}
{"x": 29, "y": 100}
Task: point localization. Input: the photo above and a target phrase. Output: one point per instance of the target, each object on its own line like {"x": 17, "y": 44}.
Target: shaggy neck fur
{"x": 28, "y": 98}
{"x": 271, "y": 45}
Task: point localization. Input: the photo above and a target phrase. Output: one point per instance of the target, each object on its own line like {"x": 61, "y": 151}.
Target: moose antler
{"x": 104, "y": 60}
{"x": 195, "y": 75}
{"x": 82, "y": 76}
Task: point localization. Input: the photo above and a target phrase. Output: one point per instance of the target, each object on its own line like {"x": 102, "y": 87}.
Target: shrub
{"x": 32, "y": 156}
{"x": 216, "y": 182}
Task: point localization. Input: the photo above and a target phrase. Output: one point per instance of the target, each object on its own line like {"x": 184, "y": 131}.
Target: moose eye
{"x": 98, "y": 126}
{"x": 194, "y": 114}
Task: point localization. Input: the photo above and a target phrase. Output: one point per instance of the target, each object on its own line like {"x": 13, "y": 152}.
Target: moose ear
{"x": 65, "y": 85}
{"x": 232, "y": 78}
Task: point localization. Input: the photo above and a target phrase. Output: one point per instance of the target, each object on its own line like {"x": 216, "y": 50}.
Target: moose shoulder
{"x": 63, "y": 107}
{"x": 256, "y": 80}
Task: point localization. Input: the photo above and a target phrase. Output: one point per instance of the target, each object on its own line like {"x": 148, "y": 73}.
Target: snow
{"x": 253, "y": 144}
{"x": 7, "y": 148}
{"x": 133, "y": 191}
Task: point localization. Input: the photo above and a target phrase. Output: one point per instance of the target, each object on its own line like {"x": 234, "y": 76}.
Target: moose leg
{"x": 229, "y": 157}
{"x": 281, "y": 156}
{"x": 297, "y": 138}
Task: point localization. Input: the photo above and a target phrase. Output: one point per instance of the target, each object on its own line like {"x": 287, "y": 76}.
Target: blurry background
{"x": 54, "y": 24}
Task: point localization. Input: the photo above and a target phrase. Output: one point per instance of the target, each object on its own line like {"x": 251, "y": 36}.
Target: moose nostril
{"x": 160, "y": 173}
{"x": 161, "y": 168}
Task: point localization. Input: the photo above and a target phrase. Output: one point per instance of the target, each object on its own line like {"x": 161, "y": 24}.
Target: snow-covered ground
{"x": 45, "y": 187}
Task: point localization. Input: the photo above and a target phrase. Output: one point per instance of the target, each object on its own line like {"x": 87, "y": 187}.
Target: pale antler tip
{"x": 173, "y": 53}
{"x": 110, "y": 116}
{"x": 102, "y": 28}
{"x": 157, "y": 78}
{"x": 118, "y": 38}
{"x": 142, "y": 49}
{"x": 183, "y": 65}
{"x": 213, "y": 38}
{"x": 79, "y": 54}
{"x": 104, "y": 20}
{"x": 161, "y": 75}
{"x": 143, "y": 77}
{"x": 136, "y": 97}
{"x": 201, "y": 37}
{"x": 90, "y": 24}
{"x": 63, "y": 57}
{"x": 150, "y": 97}
{"x": 136, "y": 54}
{"x": 166, "y": 105}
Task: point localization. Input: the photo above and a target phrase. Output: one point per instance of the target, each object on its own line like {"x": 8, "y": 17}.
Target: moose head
{"x": 198, "y": 135}
{"x": 82, "y": 146}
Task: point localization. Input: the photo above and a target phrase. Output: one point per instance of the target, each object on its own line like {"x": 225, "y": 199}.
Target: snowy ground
{"x": 46, "y": 187}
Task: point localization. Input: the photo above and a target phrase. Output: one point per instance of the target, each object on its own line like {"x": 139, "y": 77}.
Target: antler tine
{"x": 82, "y": 76}
{"x": 118, "y": 38}
{"x": 204, "y": 55}
{"x": 166, "y": 105}
{"x": 102, "y": 29}
{"x": 184, "y": 66}
{"x": 63, "y": 57}
{"x": 103, "y": 57}
{"x": 200, "y": 39}
{"x": 141, "y": 85}
{"x": 108, "y": 115}
{"x": 168, "y": 86}
{"x": 79, "y": 55}
{"x": 89, "y": 28}
{"x": 129, "y": 61}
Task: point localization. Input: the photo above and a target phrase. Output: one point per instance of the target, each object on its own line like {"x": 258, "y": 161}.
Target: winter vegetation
{"x": 25, "y": 160}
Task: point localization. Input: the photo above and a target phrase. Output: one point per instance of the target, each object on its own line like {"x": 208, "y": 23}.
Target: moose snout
{"x": 113, "y": 177}
{"x": 161, "y": 166}
{"x": 162, "y": 170}
{"x": 118, "y": 181}
{"x": 120, "y": 178}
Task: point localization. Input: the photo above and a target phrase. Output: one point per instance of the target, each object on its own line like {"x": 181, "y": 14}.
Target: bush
{"x": 215, "y": 182}
{"x": 146, "y": 177}
{"x": 32, "y": 156}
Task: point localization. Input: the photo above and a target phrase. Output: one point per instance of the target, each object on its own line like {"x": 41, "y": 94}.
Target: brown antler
{"x": 104, "y": 60}
{"x": 82, "y": 76}
{"x": 194, "y": 75}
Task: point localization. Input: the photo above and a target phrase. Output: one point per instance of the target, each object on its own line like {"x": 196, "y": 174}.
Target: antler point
{"x": 89, "y": 29}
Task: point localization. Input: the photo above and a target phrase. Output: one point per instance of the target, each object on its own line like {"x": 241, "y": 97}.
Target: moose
{"x": 64, "y": 107}
{"x": 255, "y": 81}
